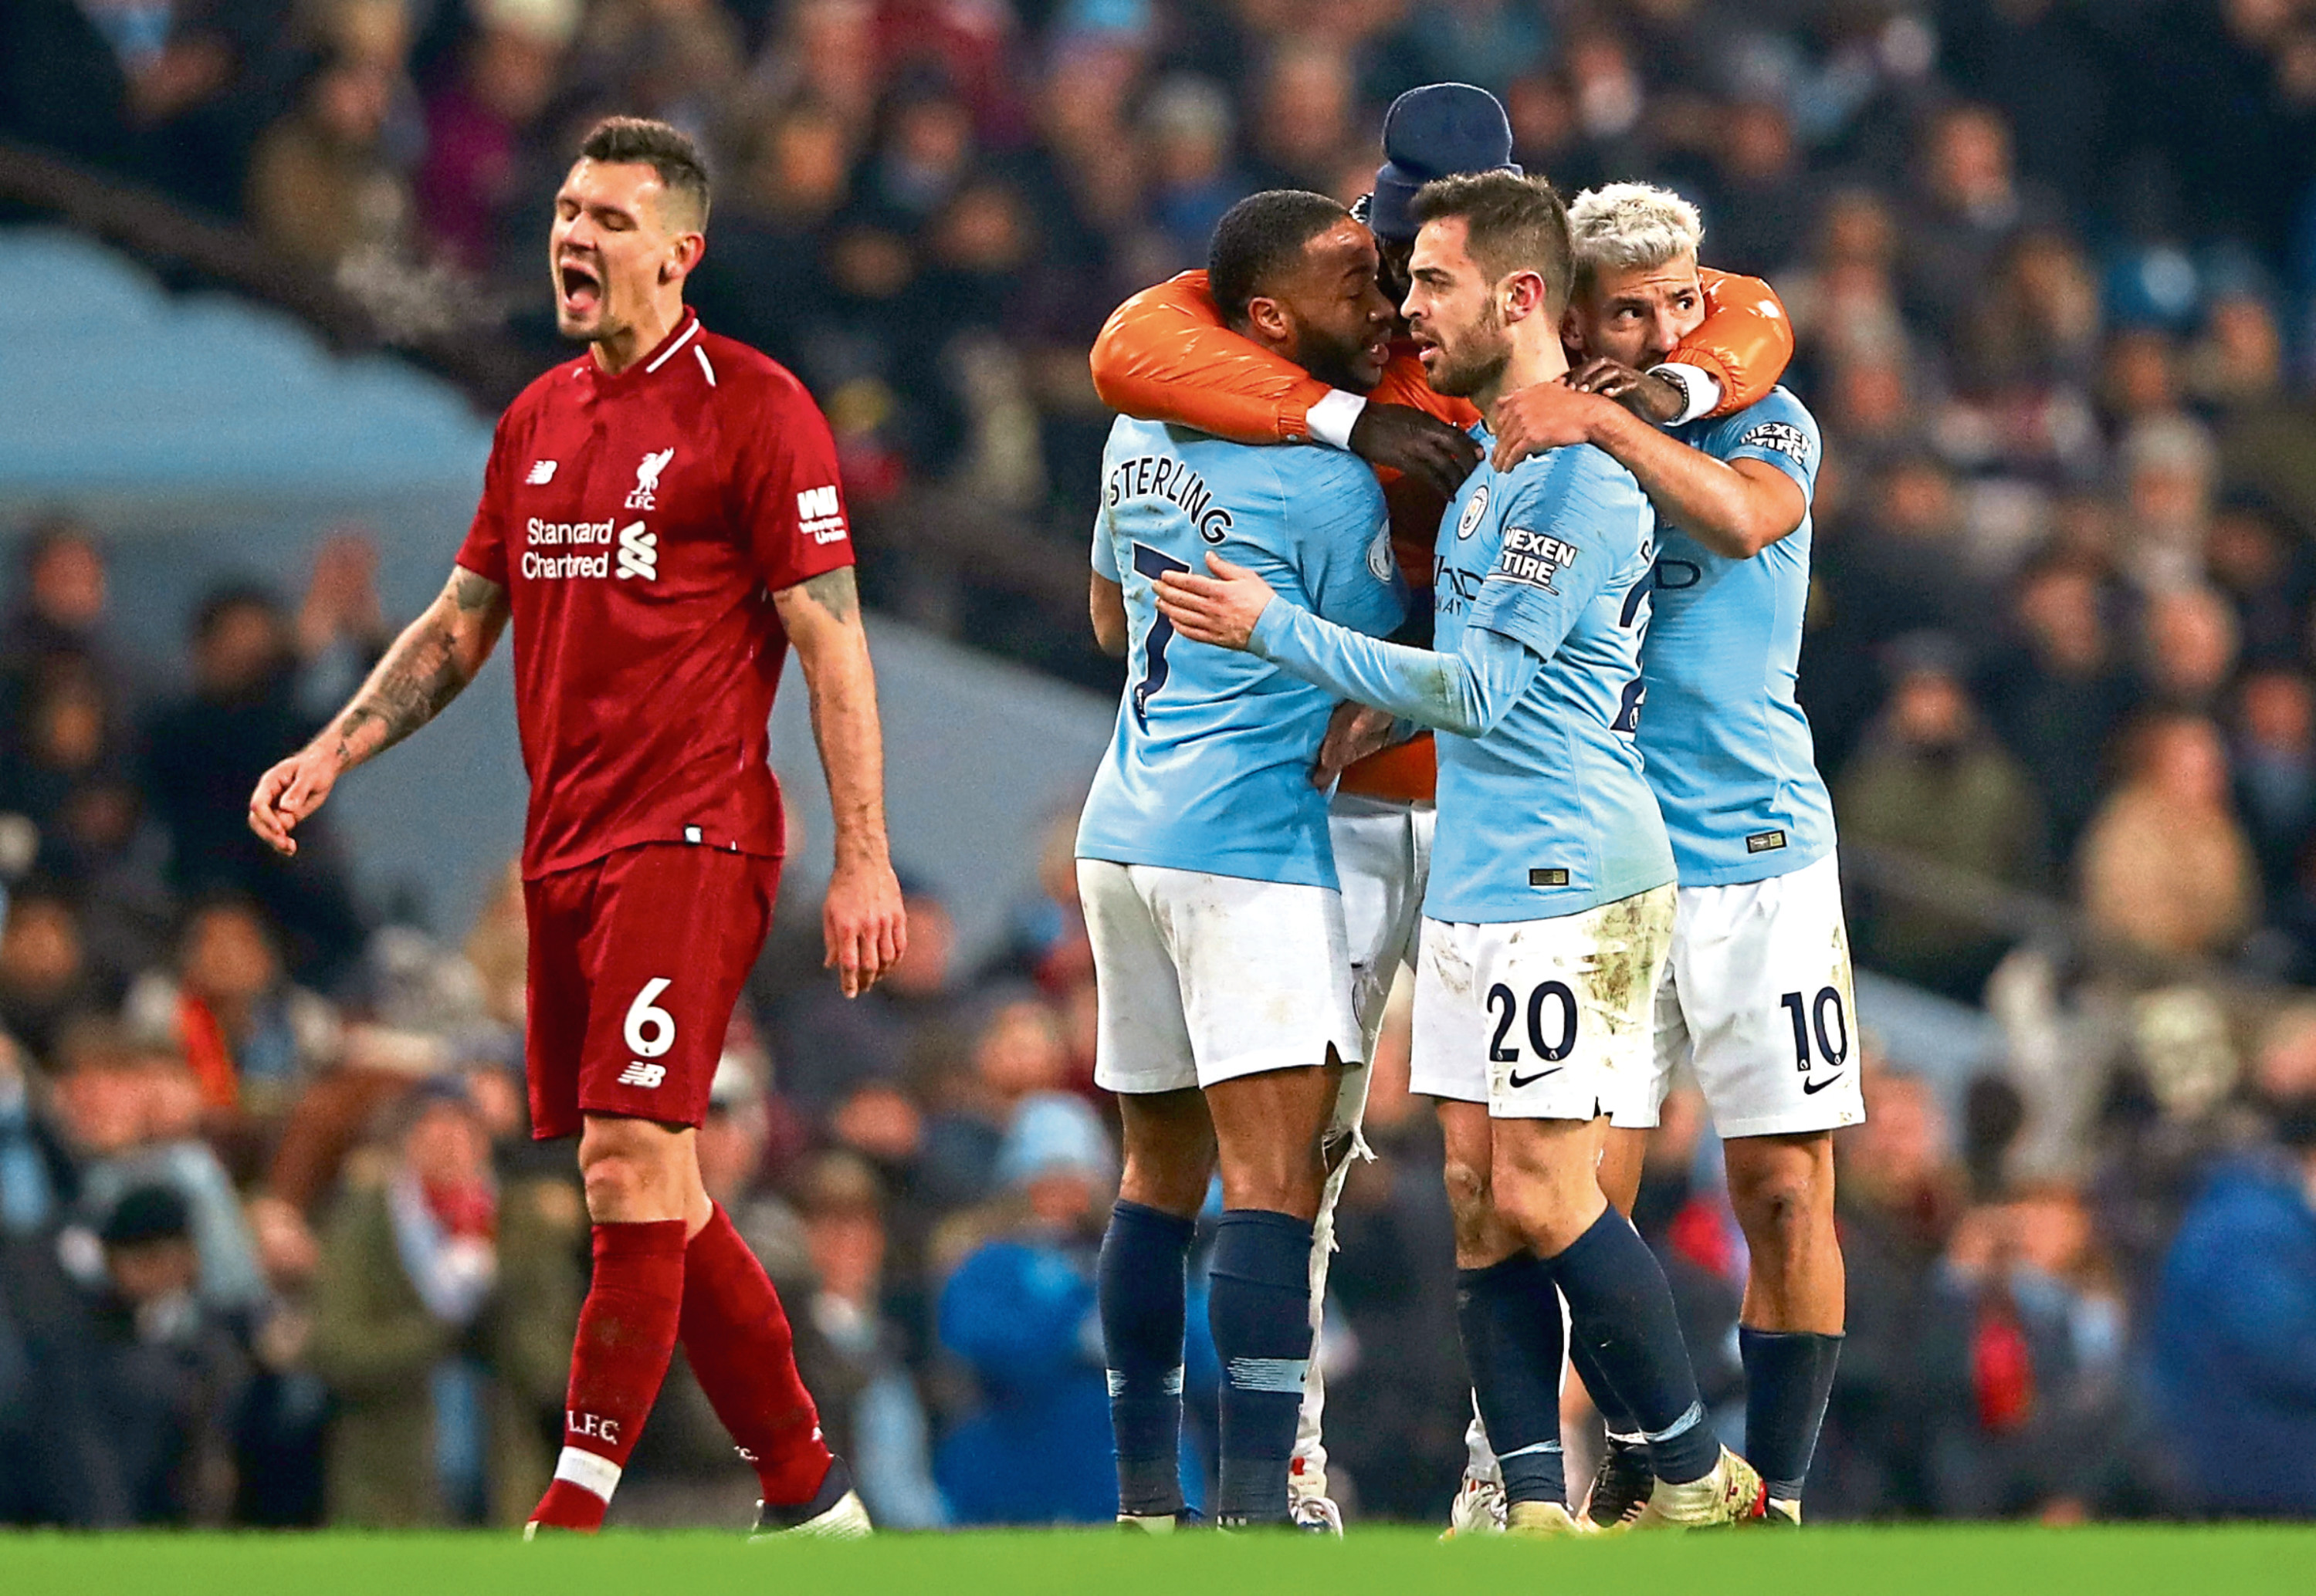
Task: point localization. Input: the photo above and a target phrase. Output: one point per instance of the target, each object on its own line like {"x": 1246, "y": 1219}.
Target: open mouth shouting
{"x": 579, "y": 284}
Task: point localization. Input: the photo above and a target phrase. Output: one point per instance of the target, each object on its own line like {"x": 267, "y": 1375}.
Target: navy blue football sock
{"x": 1614, "y": 1417}
{"x": 1260, "y": 1311}
{"x": 1509, "y": 1317}
{"x": 1140, "y": 1287}
{"x": 1622, "y": 1311}
{"x": 1788, "y": 1376}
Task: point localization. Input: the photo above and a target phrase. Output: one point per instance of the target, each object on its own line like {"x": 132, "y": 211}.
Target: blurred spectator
{"x": 168, "y": 1369}
{"x": 250, "y": 1038}
{"x": 39, "y": 1180}
{"x": 479, "y": 130}
{"x": 2275, "y": 762}
{"x": 45, "y": 979}
{"x": 855, "y": 1367}
{"x": 2165, "y": 866}
{"x": 1968, "y": 209}
{"x": 2023, "y": 1365}
{"x": 1018, "y": 1310}
{"x": 2234, "y": 1336}
{"x": 1017, "y": 1058}
{"x": 443, "y": 1312}
{"x": 205, "y": 752}
{"x": 2060, "y": 704}
{"x": 281, "y": 1424}
{"x": 830, "y": 1045}
{"x": 321, "y": 187}
{"x": 133, "y": 1116}
{"x": 2191, "y": 648}
{"x": 1931, "y": 782}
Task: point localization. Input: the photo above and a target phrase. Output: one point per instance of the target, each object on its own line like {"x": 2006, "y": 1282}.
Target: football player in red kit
{"x": 660, "y": 518}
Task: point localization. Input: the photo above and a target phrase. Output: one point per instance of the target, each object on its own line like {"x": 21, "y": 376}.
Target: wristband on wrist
{"x": 1330, "y": 420}
{"x": 1699, "y": 393}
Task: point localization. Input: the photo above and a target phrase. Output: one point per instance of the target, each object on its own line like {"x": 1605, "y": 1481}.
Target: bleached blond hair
{"x": 1622, "y": 226}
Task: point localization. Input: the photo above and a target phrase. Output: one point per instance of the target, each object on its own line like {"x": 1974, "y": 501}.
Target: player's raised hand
{"x": 289, "y": 793}
{"x": 1546, "y": 415}
{"x": 1422, "y": 446}
{"x": 865, "y": 925}
{"x": 1651, "y": 398}
{"x": 1354, "y": 732}
{"x": 1221, "y": 609}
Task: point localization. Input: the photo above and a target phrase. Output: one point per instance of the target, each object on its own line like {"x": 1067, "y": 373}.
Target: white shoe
{"x": 835, "y": 1512}
{"x": 1733, "y": 1494}
{"x": 1317, "y": 1515}
{"x": 1785, "y": 1514}
{"x": 1543, "y": 1521}
{"x": 1478, "y": 1510}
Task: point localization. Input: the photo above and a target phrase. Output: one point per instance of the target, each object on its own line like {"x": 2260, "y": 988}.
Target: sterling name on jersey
{"x": 1550, "y": 813}
{"x": 1209, "y": 768}
{"x": 1727, "y": 746}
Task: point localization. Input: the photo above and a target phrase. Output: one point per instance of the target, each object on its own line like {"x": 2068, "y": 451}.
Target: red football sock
{"x": 626, "y": 1334}
{"x": 741, "y": 1347}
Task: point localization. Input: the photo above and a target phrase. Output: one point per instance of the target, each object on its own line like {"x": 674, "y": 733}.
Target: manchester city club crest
{"x": 1472, "y": 510}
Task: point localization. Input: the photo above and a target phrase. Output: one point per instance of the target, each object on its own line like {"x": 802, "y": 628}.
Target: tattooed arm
{"x": 435, "y": 657}
{"x": 861, "y": 920}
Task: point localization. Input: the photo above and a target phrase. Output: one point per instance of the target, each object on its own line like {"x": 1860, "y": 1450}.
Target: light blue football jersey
{"x": 1549, "y": 814}
{"x": 1209, "y": 768}
{"x": 1727, "y": 746}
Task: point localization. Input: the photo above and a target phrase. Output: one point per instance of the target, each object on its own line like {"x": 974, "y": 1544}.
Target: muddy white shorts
{"x": 1382, "y": 857}
{"x": 1541, "y": 1019}
{"x": 1202, "y": 979}
{"x": 1757, "y": 1000}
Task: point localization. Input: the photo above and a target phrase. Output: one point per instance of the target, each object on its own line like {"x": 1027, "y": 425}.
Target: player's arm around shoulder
{"x": 861, "y": 919}
{"x": 1736, "y": 505}
{"x": 427, "y": 665}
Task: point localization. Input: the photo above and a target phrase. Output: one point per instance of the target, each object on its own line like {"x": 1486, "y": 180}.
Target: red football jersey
{"x": 640, "y": 524}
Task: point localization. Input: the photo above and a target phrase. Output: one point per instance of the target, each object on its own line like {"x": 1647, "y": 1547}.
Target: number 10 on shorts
{"x": 649, "y": 1032}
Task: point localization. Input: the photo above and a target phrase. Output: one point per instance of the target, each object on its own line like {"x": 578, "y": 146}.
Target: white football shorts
{"x": 1202, "y": 979}
{"x": 1382, "y": 857}
{"x": 1541, "y": 1019}
{"x": 1757, "y": 998}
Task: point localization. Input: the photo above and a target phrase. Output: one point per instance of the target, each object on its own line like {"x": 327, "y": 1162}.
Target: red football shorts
{"x": 635, "y": 962}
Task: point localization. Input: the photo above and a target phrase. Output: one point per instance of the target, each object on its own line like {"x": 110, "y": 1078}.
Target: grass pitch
{"x": 1391, "y": 1562}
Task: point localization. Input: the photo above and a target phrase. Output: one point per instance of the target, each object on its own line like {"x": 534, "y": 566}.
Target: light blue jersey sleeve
{"x": 1105, "y": 546}
{"x": 1780, "y": 431}
{"x": 1467, "y": 692}
{"x": 1557, "y": 552}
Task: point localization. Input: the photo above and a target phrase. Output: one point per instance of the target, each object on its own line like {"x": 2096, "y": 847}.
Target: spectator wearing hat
{"x": 167, "y": 1367}
{"x": 1017, "y": 1311}
{"x": 2235, "y": 1332}
{"x": 443, "y": 1311}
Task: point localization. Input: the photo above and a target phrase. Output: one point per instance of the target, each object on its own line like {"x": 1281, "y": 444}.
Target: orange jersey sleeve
{"x": 1165, "y": 355}
{"x": 1744, "y": 342}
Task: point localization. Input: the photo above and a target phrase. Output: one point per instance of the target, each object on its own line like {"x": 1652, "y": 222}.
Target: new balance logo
{"x": 638, "y": 552}
{"x": 640, "y": 1074}
{"x": 541, "y": 471}
{"x": 820, "y": 515}
{"x": 647, "y": 479}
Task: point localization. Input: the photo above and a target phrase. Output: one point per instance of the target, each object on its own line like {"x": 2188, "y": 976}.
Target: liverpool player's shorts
{"x": 1203, "y": 978}
{"x": 1757, "y": 999}
{"x": 635, "y": 962}
{"x": 1383, "y": 857}
{"x": 1541, "y": 1019}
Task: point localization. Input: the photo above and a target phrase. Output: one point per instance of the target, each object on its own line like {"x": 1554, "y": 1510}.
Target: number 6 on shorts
{"x": 650, "y": 1031}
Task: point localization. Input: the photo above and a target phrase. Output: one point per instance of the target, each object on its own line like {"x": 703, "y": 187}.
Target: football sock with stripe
{"x": 1509, "y": 1317}
{"x": 1260, "y": 1311}
{"x": 743, "y": 1350}
{"x": 1610, "y": 1406}
{"x": 1622, "y": 1310}
{"x": 626, "y": 1334}
{"x": 1141, "y": 1288}
{"x": 1788, "y": 1377}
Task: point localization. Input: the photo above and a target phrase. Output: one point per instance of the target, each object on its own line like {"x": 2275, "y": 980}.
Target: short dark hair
{"x": 666, "y": 149}
{"x": 1258, "y": 237}
{"x": 1514, "y": 224}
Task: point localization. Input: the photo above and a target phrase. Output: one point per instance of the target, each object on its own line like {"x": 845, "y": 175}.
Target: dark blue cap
{"x": 1439, "y": 130}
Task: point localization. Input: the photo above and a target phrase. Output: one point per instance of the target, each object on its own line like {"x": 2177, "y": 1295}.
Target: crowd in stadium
{"x": 2053, "y": 289}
